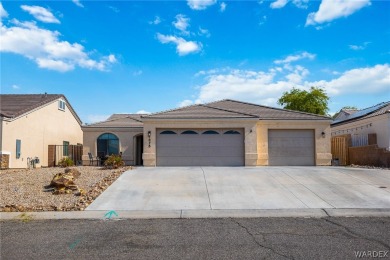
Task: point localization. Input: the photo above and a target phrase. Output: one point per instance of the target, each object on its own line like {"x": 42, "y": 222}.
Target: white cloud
{"x": 359, "y": 47}
{"x": 204, "y": 32}
{"x": 3, "y": 12}
{"x": 46, "y": 49}
{"x": 181, "y": 23}
{"x": 266, "y": 87}
{"x": 183, "y": 47}
{"x": 330, "y": 10}
{"x": 143, "y": 112}
{"x": 40, "y": 13}
{"x": 222, "y": 7}
{"x": 157, "y": 20}
{"x": 263, "y": 20}
{"x": 292, "y": 58}
{"x": 78, "y": 3}
{"x": 15, "y": 87}
{"x": 278, "y": 4}
{"x": 114, "y": 9}
{"x": 137, "y": 73}
{"x": 186, "y": 103}
{"x": 200, "y": 4}
{"x": 301, "y": 3}
{"x": 361, "y": 80}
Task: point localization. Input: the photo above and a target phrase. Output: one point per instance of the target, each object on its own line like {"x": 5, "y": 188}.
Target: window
{"x": 107, "y": 144}
{"x": 210, "y": 132}
{"x": 231, "y": 132}
{"x": 167, "y": 132}
{"x": 61, "y": 105}
{"x": 18, "y": 148}
{"x": 65, "y": 148}
{"x": 189, "y": 132}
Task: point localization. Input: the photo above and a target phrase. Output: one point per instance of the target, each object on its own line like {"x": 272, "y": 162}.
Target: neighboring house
{"x": 372, "y": 120}
{"x": 119, "y": 134}
{"x": 344, "y": 114}
{"x": 223, "y": 133}
{"x": 30, "y": 123}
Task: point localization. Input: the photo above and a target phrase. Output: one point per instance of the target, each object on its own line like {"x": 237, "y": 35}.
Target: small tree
{"x": 314, "y": 101}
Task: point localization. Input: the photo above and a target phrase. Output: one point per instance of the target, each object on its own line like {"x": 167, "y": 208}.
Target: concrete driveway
{"x": 225, "y": 188}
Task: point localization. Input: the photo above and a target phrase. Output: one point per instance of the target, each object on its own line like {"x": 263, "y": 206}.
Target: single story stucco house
{"x": 222, "y": 133}
{"x": 360, "y": 123}
{"x": 30, "y": 123}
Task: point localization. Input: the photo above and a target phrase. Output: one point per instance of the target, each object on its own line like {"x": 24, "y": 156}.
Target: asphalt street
{"x": 226, "y": 238}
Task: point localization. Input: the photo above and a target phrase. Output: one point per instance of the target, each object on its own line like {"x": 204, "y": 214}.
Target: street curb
{"x": 195, "y": 214}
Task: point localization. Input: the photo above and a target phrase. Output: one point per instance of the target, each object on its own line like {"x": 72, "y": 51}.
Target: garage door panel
{"x": 298, "y": 161}
{"x": 291, "y": 147}
{"x": 195, "y": 151}
{"x": 200, "y": 149}
{"x": 199, "y": 161}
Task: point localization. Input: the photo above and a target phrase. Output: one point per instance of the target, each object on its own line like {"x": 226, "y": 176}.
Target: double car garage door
{"x": 208, "y": 147}
{"x": 225, "y": 147}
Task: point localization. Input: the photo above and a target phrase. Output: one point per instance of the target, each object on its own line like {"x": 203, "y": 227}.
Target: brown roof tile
{"x": 198, "y": 112}
{"x": 14, "y": 105}
{"x": 234, "y": 109}
{"x": 120, "y": 120}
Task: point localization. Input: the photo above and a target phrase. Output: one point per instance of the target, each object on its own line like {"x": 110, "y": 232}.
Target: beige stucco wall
{"x": 256, "y": 136}
{"x": 126, "y": 136}
{"x": 249, "y": 126}
{"x": 322, "y": 144}
{"x": 380, "y": 125}
{"x": 37, "y": 130}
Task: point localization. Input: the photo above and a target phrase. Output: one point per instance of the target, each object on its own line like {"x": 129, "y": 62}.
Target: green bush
{"x": 114, "y": 161}
{"x": 65, "y": 162}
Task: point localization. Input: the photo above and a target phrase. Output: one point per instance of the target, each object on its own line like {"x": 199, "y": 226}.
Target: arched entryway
{"x": 139, "y": 149}
{"x": 107, "y": 144}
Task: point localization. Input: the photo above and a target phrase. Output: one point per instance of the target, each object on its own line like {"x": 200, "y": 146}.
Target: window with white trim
{"x": 61, "y": 105}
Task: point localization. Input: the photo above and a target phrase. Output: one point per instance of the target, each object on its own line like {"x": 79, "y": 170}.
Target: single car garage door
{"x": 207, "y": 147}
{"x": 291, "y": 147}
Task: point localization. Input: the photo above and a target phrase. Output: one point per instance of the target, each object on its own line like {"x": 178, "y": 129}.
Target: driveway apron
{"x": 221, "y": 188}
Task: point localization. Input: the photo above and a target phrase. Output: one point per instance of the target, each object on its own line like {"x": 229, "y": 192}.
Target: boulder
{"x": 63, "y": 183}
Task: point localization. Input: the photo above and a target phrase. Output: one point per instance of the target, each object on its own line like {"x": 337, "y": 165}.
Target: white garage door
{"x": 291, "y": 147}
{"x": 207, "y": 147}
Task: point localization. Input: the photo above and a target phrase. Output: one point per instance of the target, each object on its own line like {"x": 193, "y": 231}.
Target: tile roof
{"x": 120, "y": 120}
{"x": 198, "y": 112}
{"x": 379, "y": 109}
{"x": 15, "y": 105}
{"x": 234, "y": 109}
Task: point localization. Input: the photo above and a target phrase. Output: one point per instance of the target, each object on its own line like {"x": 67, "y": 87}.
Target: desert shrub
{"x": 114, "y": 161}
{"x": 65, "y": 162}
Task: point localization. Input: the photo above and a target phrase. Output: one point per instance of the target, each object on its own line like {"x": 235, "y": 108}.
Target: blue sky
{"x": 135, "y": 56}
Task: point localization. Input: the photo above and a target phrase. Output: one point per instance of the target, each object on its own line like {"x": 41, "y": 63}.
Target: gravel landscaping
{"x": 24, "y": 190}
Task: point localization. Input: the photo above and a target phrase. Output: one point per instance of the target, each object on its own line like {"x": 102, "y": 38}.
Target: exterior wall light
{"x": 149, "y": 135}
{"x": 323, "y": 134}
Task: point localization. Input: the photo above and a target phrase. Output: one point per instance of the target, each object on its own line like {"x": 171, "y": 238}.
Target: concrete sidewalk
{"x": 247, "y": 188}
{"x": 190, "y": 214}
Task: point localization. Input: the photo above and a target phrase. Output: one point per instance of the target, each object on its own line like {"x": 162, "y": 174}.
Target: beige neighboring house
{"x": 359, "y": 124}
{"x": 30, "y": 123}
{"x": 223, "y": 133}
{"x": 119, "y": 134}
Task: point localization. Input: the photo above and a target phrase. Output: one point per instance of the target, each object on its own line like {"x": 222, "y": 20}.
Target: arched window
{"x": 167, "y": 132}
{"x": 189, "y": 132}
{"x": 210, "y": 132}
{"x": 107, "y": 144}
{"x": 231, "y": 132}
